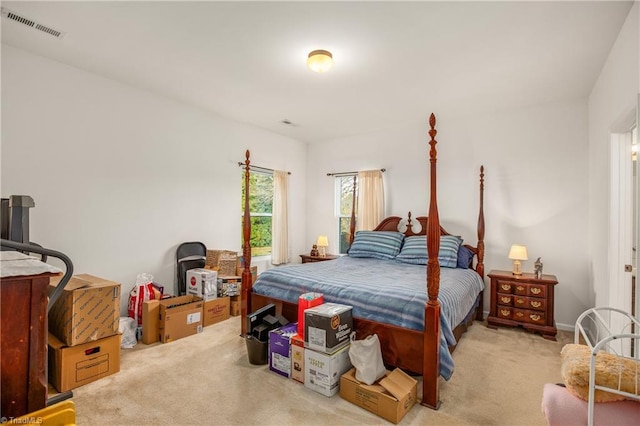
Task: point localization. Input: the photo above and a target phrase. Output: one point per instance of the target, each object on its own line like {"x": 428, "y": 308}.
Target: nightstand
{"x": 524, "y": 301}
{"x": 307, "y": 258}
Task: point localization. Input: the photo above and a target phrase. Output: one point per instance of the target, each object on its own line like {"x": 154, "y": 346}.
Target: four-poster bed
{"x": 404, "y": 345}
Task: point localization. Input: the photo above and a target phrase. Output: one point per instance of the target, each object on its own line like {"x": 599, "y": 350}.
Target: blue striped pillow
{"x": 414, "y": 250}
{"x": 376, "y": 244}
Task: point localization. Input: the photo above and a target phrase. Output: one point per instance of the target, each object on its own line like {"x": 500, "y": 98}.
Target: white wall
{"x": 121, "y": 176}
{"x": 614, "y": 97}
{"x": 535, "y": 191}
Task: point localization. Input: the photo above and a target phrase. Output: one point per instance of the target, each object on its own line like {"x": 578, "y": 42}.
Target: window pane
{"x": 261, "y": 197}
{"x": 260, "y": 235}
{"x": 346, "y": 195}
{"x": 260, "y": 205}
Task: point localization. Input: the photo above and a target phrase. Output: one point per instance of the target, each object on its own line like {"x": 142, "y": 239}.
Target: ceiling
{"x": 395, "y": 62}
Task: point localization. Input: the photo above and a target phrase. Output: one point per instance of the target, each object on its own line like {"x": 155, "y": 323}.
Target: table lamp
{"x": 517, "y": 253}
{"x": 322, "y": 243}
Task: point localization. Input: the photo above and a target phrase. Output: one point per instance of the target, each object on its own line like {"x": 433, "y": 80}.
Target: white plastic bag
{"x": 140, "y": 293}
{"x": 366, "y": 357}
{"x": 127, "y": 328}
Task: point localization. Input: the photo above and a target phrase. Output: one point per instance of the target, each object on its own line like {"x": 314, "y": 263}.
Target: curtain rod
{"x": 252, "y": 167}
{"x": 349, "y": 173}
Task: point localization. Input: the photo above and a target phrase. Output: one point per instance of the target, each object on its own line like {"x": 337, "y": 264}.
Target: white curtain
{"x": 370, "y": 200}
{"x": 280, "y": 219}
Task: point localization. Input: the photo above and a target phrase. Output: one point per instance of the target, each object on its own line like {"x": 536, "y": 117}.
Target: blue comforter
{"x": 384, "y": 291}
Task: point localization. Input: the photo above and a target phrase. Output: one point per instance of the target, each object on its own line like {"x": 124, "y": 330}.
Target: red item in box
{"x": 306, "y": 301}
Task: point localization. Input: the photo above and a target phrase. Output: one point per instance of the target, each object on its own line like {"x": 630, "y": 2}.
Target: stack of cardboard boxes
{"x": 319, "y": 358}
{"x": 84, "y": 344}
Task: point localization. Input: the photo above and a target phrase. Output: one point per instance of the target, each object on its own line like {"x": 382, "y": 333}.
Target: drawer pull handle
{"x": 505, "y": 299}
{"x": 506, "y": 287}
{"x": 535, "y": 290}
{"x": 520, "y": 301}
{"x": 535, "y": 317}
{"x": 504, "y": 312}
{"x": 519, "y": 288}
{"x": 520, "y": 314}
{"x": 536, "y": 304}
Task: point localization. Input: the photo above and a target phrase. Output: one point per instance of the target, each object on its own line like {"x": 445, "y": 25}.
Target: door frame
{"x": 621, "y": 217}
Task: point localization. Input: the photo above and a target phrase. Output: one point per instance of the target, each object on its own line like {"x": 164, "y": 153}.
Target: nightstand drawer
{"x": 505, "y": 286}
{"x": 529, "y": 303}
{"x": 532, "y": 317}
{"x": 505, "y": 299}
{"x": 533, "y": 290}
{"x": 504, "y": 312}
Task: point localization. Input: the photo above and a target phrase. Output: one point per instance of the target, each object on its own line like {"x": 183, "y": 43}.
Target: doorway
{"x": 624, "y": 218}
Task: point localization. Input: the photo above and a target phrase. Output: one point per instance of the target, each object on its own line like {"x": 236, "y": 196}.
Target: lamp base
{"x": 516, "y": 268}
{"x": 322, "y": 252}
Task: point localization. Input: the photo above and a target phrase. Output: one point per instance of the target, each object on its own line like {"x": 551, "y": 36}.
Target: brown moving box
{"x": 215, "y": 310}
{"x": 150, "y": 321}
{"x": 254, "y": 271}
{"x": 73, "y": 366}
{"x": 391, "y": 397}
{"x": 88, "y": 309}
{"x": 179, "y": 317}
{"x": 234, "y": 308}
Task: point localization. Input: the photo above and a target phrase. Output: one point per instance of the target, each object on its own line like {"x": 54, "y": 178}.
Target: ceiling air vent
{"x": 31, "y": 23}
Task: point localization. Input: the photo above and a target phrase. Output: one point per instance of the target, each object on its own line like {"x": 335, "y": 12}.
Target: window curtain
{"x": 370, "y": 200}
{"x": 280, "y": 219}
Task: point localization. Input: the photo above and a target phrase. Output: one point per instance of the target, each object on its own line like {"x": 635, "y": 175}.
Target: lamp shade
{"x": 518, "y": 252}
{"x": 323, "y": 241}
{"x": 320, "y": 60}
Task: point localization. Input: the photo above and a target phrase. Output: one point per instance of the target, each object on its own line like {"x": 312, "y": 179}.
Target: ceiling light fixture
{"x": 320, "y": 60}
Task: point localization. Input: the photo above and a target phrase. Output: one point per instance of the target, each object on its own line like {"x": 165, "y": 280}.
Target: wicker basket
{"x": 224, "y": 261}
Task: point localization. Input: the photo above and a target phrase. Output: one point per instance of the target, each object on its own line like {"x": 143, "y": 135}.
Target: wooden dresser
{"x": 24, "y": 291}
{"x": 524, "y": 301}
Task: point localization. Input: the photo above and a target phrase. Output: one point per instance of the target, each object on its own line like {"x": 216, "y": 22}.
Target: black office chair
{"x": 189, "y": 256}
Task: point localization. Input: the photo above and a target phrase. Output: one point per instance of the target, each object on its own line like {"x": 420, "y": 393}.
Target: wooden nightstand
{"x": 307, "y": 258}
{"x": 523, "y": 300}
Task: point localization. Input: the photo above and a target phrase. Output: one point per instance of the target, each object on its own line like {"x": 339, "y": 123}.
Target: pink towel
{"x": 561, "y": 408}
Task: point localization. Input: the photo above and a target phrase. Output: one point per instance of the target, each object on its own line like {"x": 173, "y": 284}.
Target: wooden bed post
{"x": 480, "y": 264}
{"x": 245, "y": 291}
{"x": 431, "y": 357}
{"x": 352, "y": 225}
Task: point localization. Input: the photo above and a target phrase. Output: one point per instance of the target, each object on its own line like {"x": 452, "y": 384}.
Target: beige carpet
{"x": 207, "y": 379}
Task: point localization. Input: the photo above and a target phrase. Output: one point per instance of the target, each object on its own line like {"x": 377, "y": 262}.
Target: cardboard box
{"x": 234, "y": 306}
{"x": 202, "y": 283}
{"x": 240, "y": 268}
{"x": 87, "y": 310}
{"x": 229, "y": 285}
{"x": 215, "y": 310}
{"x": 150, "y": 321}
{"x": 179, "y": 317}
{"x": 322, "y": 371}
{"x": 73, "y": 366}
{"x": 391, "y": 397}
{"x": 297, "y": 358}
{"x": 280, "y": 349}
{"x": 327, "y": 327}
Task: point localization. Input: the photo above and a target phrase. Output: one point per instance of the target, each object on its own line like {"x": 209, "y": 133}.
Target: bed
{"x": 420, "y": 328}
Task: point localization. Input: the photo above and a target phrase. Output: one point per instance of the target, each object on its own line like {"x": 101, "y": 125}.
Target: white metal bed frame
{"x": 613, "y": 331}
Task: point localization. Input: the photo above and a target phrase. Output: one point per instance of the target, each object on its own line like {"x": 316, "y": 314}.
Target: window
{"x": 260, "y": 207}
{"x": 344, "y": 203}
